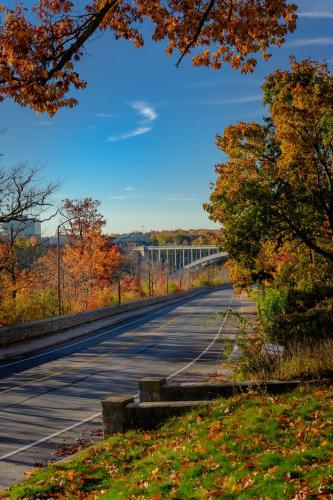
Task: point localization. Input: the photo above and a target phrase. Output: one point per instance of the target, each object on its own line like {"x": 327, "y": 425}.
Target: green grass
{"x": 249, "y": 446}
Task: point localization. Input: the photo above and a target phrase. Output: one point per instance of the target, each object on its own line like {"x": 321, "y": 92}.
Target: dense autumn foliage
{"x": 93, "y": 270}
{"x": 88, "y": 260}
{"x": 17, "y": 255}
{"x": 39, "y": 48}
{"x": 274, "y": 194}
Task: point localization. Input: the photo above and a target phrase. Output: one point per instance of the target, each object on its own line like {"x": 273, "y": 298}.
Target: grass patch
{"x": 249, "y": 446}
{"x": 307, "y": 361}
{"x": 301, "y": 361}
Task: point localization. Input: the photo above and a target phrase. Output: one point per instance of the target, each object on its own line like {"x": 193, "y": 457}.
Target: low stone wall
{"x": 153, "y": 389}
{"x": 27, "y": 331}
{"x": 192, "y": 392}
{"x": 120, "y": 413}
{"x": 159, "y": 401}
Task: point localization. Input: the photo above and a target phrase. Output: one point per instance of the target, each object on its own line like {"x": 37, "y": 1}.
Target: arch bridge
{"x": 178, "y": 257}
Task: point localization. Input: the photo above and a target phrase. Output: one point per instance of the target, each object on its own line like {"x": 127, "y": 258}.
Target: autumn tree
{"x": 88, "y": 259}
{"x": 22, "y": 198}
{"x": 81, "y": 218}
{"x": 17, "y": 258}
{"x": 40, "y": 48}
{"x": 185, "y": 237}
{"x": 301, "y": 108}
{"x": 275, "y": 192}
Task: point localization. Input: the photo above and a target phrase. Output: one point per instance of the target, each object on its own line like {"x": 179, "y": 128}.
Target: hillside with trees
{"x": 185, "y": 237}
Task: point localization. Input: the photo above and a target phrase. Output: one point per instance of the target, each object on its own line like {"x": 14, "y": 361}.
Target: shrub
{"x": 271, "y": 303}
{"x": 302, "y": 300}
{"x": 290, "y": 315}
{"x": 305, "y": 327}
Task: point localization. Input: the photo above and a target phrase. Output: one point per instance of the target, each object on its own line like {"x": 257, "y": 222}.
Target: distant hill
{"x": 183, "y": 237}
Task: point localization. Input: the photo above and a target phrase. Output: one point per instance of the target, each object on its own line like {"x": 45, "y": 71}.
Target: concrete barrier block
{"x": 211, "y": 391}
{"x": 149, "y": 415}
{"x": 115, "y": 415}
{"x": 200, "y": 391}
{"x": 150, "y": 388}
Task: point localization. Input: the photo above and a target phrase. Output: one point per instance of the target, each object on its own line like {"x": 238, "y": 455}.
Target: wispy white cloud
{"x": 129, "y": 188}
{"x": 117, "y": 197}
{"x": 127, "y": 135}
{"x": 146, "y": 111}
{"x": 215, "y": 101}
{"x": 105, "y": 115}
{"x": 319, "y": 14}
{"x": 305, "y": 42}
{"x": 147, "y": 114}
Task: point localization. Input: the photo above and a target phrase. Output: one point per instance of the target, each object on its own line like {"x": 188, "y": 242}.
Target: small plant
{"x": 271, "y": 302}
{"x": 248, "y": 339}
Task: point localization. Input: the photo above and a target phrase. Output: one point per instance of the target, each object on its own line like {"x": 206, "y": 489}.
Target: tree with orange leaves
{"x": 88, "y": 260}
{"x": 275, "y": 193}
{"x": 17, "y": 257}
{"x": 39, "y": 49}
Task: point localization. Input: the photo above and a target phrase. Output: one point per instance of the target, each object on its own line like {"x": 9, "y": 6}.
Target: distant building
{"x": 25, "y": 227}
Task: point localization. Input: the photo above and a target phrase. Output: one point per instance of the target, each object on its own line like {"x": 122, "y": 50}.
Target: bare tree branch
{"x": 22, "y": 197}
{"x": 88, "y": 29}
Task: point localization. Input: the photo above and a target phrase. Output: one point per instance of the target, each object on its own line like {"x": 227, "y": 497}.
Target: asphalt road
{"x": 53, "y": 397}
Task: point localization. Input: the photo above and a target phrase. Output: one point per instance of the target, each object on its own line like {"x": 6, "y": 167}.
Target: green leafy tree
{"x": 275, "y": 191}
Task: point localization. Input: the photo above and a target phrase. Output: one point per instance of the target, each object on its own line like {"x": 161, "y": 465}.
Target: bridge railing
{"x": 176, "y": 256}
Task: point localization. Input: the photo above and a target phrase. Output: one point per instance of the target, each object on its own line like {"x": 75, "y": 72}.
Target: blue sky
{"x": 142, "y": 138}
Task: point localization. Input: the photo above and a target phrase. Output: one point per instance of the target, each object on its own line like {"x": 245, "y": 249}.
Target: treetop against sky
{"x": 142, "y": 136}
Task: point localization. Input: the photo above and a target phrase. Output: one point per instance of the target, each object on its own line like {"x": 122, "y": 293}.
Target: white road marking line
{"x": 77, "y": 424}
{"x": 47, "y": 438}
{"x": 87, "y": 339}
{"x": 79, "y": 366}
{"x": 205, "y": 350}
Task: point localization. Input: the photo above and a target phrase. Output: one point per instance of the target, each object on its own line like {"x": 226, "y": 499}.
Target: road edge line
{"x": 77, "y": 424}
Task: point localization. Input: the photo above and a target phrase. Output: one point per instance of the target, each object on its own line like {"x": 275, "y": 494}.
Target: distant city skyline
{"x": 142, "y": 138}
